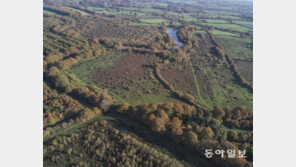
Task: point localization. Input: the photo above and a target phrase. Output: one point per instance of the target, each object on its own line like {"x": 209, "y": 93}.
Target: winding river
{"x": 173, "y": 34}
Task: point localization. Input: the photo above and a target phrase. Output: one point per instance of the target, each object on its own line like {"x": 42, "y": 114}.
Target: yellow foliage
{"x": 50, "y": 59}
{"x": 124, "y": 107}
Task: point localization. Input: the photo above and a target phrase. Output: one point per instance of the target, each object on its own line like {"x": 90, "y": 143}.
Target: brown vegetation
{"x": 175, "y": 121}
{"x": 186, "y": 97}
{"x": 101, "y": 145}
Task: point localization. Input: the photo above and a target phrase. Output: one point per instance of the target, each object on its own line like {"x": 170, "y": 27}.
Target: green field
{"x": 153, "y": 21}
{"x": 216, "y": 21}
{"x": 48, "y": 12}
{"x": 223, "y": 33}
{"x": 223, "y": 88}
{"x": 236, "y": 47}
{"x": 77, "y": 10}
{"x": 244, "y": 22}
{"x": 232, "y": 27}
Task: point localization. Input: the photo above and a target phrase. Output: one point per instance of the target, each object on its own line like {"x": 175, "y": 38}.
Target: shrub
{"x": 50, "y": 59}
{"x": 190, "y": 139}
{"x": 105, "y": 105}
{"x": 61, "y": 82}
{"x": 124, "y": 107}
{"x": 218, "y": 112}
{"x": 232, "y": 135}
{"x": 158, "y": 125}
{"x": 206, "y": 133}
{"x": 86, "y": 114}
{"x": 53, "y": 72}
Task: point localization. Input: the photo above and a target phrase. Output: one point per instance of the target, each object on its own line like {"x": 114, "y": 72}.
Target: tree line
{"x": 194, "y": 128}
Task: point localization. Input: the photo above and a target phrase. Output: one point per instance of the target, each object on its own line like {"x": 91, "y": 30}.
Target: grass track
{"x": 197, "y": 86}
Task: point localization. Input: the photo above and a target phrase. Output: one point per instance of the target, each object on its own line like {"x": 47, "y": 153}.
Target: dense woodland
{"x": 117, "y": 91}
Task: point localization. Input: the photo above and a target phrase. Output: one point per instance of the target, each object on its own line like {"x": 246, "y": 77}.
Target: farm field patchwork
{"x": 119, "y": 91}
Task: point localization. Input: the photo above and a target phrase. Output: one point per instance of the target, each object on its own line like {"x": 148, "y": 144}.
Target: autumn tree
{"x": 67, "y": 63}
{"x": 168, "y": 105}
{"x": 218, "y": 112}
{"x": 228, "y": 111}
{"x": 105, "y": 102}
{"x": 118, "y": 46}
{"x": 73, "y": 50}
{"x": 175, "y": 126}
{"x": 86, "y": 114}
{"x": 158, "y": 125}
{"x": 206, "y": 133}
{"x": 179, "y": 110}
{"x": 85, "y": 54}
{"x": 61, "y": 82}
{"x": 50, "y": 59}
{"x": 207, "y": 116}
{"x": 97, "y": 111}
{"x": 145, "y": 108}
{"x": 162, "y": 114}
{"x": 95, "y": 41}
{"x": 189, "y": 111}
{"x": 54, "y": 72}
{"x": 153, "y": 106}
{"x": 151, "y": 118}
{"x": 232, "y": 135}
{"x": 51, "y": 118}
{"x": 44, "y": 65}
{"x": 190, "y": 139}
{"x": 98, "y": 52}
{"x": 237, "y": 114}
{"x": 242, "y": 136}
{"x": 124, "y": 107}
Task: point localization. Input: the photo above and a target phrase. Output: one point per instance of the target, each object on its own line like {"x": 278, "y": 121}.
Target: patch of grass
{"x": 97, "y": 8}
{"x": 153, "y": 21}
{"x": 232, "y": 27}
{"x": 246, "y": 69}
{"x": 162, "y": 4}
{"x": 244, "y": 22}
{"x": 236, "y": 130}
{"x": 153, "y": 91}
{"x": 150, "y": 10}
{"x": 236, "y": 47}
{"x": 223, "y": 33}
{"x": 48, "y": 12}
{"x": 203, "y": 102}
{"x": 190, "y": 19}
{"x": 216, "y": 21}
{"x": 225, "y": 89}
{"x": 76, "y": 10}
{"x": 141, "y": 24}
{"x": 83, "y": 69}
{"x": 199, "y": 30}
{"x": 142, "y": 97}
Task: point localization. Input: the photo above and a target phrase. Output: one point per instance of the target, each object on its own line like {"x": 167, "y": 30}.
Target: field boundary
{"x": 187, "y": 97}
{"x": 232, "y": 65}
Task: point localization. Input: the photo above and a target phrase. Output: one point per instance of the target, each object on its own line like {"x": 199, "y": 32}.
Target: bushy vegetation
{"x": 98, "y": 144}
{"x": 196, "y": 128}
